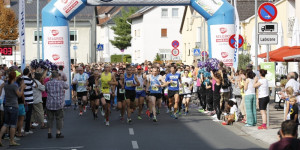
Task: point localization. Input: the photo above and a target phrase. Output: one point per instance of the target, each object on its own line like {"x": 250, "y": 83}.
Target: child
{"x": 231, "y": 117}
{"x": 289, "y": 91}
{"x": 294, "y": 109}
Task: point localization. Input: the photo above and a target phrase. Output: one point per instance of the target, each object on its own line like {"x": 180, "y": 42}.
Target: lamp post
{"x": 38, "y": 28}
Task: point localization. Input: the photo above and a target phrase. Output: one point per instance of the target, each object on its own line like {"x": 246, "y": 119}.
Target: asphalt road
{"x": 192, "y": 132}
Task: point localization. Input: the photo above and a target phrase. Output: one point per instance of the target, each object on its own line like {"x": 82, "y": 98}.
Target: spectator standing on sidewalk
{"x": 38, "y": 111}
{"x": 263, "y": 96}
{"x": 250, "y": 100}
{"x": 288, "y": 139}
{"x": 55, "y": 103}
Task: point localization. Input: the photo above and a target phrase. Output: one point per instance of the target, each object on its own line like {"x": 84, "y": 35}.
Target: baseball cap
{"x": 139, "y": 67}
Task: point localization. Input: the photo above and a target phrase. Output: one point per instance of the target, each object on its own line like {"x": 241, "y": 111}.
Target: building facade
{"x": 153, "y": 30}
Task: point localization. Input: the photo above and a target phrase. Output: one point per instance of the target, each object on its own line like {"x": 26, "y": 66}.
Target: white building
{"x": 83, "y": 35}
{"x": 105, "y": 33}
{"x": 153, "y": 30}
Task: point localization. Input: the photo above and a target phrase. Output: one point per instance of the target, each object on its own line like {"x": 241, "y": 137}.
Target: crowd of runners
{"x": 145, "y": 90}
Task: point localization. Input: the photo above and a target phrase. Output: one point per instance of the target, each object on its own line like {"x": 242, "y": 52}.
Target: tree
{"x": 244, "y": 60}
{"x": 157, "y": 57}
{"x": 122, "y": 29}
{"x": 8, "y": 23}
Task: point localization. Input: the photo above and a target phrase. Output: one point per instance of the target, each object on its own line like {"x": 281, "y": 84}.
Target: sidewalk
{"x": 268, "y": 136}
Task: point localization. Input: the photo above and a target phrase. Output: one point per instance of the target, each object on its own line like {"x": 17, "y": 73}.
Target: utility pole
{"x": 38, "y": 28}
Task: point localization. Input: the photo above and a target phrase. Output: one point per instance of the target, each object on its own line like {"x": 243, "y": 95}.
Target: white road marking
{"x": 131, "y": 132}
{"x": 134, "y": 145}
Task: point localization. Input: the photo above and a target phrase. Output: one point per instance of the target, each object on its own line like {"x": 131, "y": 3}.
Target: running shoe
{"x": 175, "y": 116}
{"x": 80, "y": 113}
{"x": 158, "y": 112}
{"x": 148, "y": 113}
{"x": 84, "y": 108}
{"x": 214, "y": 116}
{"x": 168, "y": 111}
{"x": 107, "y": 123}
{"x": 224, "y": 123}
{"x": 206, "y": 112}
{"x": 35, "y": 124}
{"x": 139, "y": 117}
{"x": 248, "y": 125}
{"x": 216, "y": 120}
{"x": 129, "y": 120}
{"x": 154, "y": 119}
{"x": 45, "y": 121}
{"x": 172, "y": 109}
{"x": 261, "y": 127}
{"x": 201, "y": 110}
{"x": 102, "y": 112}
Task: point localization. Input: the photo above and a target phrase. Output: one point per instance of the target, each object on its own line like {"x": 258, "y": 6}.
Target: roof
{"x": 30, "y": 8}
{"x": 113, "y": 11}
{"x": 141, "y": 12}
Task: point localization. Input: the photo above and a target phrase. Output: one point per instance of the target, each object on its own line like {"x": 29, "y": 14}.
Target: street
{"x": 195, "y": 131}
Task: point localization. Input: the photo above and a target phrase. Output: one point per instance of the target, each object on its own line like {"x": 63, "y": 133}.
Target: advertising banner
{"x": 22, "y": 32}
{"x": 67, "y": 7}
{"x": 211, "y": 6}
{"x": 220, "y": 47}
{"x": 137, "y": 2}
{"x": 270, "y": 67}
{"x": 56, "y": 48}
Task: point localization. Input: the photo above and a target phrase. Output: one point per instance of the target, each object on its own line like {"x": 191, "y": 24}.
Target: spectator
{"x": 250, "y": 100}
{"x": 63, "y": 76}
{"x": 28, "y": 94}
{"x": 11, "y": 110}
{"x": 288, "y": 139}
{"x": 294, "y": 110}
{"x": 290, "y": 92}
{"x": 263, "y": 96}
{"x": 38, "y": 111}
{"x": 55, "y": 103}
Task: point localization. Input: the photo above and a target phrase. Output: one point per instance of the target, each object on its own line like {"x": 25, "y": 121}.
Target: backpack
{"x": 226, "y": 83}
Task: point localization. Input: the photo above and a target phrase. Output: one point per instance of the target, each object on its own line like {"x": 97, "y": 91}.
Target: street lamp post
{"x": 38, "y": 28}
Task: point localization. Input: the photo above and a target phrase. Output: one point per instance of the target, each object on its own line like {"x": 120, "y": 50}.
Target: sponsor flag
{"x": 237, "y": 33}
{"x": 22, "y": 32}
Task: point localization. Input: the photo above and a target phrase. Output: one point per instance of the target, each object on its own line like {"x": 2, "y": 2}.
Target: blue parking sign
{"x": 197, "y": 52}
{"x": 100, "y": 47}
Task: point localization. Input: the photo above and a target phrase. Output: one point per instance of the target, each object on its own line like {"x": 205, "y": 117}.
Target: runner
{"x": 107, "y": 82}
{"x": 131, "y": 82}
{"x": 94, "y": 86}
{"x": 140, "y": 91}
{"x": 155, "y": 86}
{"x": 187, "y": 83}
{"x": 80, "y": 80}
{"x": 121, "y": 93}
{"x": 173, "y": 80}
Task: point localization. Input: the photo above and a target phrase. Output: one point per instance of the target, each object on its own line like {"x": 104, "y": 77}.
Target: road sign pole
{"x": 268, "y": 110}
{"x": 256, "y": 37}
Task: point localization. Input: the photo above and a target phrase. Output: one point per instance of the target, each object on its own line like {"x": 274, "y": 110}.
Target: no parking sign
{"x": 267, "y": 12}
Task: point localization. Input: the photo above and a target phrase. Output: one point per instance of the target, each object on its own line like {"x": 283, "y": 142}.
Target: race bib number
{"x": 139, "y": 88}
{"x": 174, "y": 84}
{"x": 181, "y": 91}
{"x": 121, "y": 91}
{"x": 80, "y": 83}
{"x": 106, "y": 96}
{"x": 154, "y": 88}
{"x": 129, "y": 83}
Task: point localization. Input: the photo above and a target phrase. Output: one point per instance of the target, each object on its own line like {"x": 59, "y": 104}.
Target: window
{"x": 164, "y": 33}
{"x": 73, "y": 36}
{"x": 174, "y": 12}
{"x": 164, "y": 12}
{"x": 198, "y": 35}
{"x": 189, "y": 49}
{"x": 35, "y": 36}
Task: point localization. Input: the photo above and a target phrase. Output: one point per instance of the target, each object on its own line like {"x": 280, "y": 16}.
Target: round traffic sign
{"x": 175, "y": 44}
{"x": 267, "y": 12}
{"x": 175, "y": 52}
{"x": 232, "y": 41}
{"x": 204, "y": 53}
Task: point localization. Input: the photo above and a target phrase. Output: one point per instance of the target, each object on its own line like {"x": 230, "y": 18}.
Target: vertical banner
{"x": 237, "y": 33}
{"x": 220, "y": 47}
{"x": 270, "y": 76}
{"x": 22, "y": 32}
{"x": 56, "y": 42}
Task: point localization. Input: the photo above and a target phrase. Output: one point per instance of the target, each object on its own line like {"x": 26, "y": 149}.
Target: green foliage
{"x": 122, "y": 29}
{"x": 244, "y": 60}
{"x": 157, "y": 57}
{"x": 118, "y": 58}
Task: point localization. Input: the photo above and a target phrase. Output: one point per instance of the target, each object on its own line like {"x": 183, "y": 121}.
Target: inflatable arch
{"x": 56, "y": 15}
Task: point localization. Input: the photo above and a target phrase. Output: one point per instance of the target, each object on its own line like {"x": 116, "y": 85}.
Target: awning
{"x": 279, "y": 54}
{"x": 294, "y": 58}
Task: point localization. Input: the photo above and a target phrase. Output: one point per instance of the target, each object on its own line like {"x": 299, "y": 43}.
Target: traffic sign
{"x": 75, "y": 47}
{"x": 204, "y": 53}
{"x": 100, "y": 47}
{"x": 197, "y": 52}
{"x": 175, "y": 52}
{"x": 232, "y": 41}
{"x": 267, "y": 12}
{"x": 175, "y": 44}
{"x": 265, "y": 39}
{"x": 270, "y": 27}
